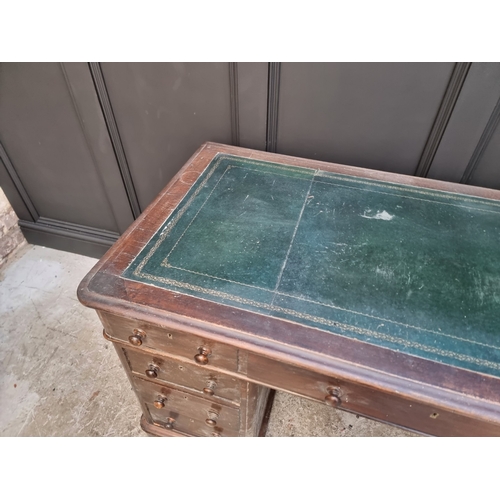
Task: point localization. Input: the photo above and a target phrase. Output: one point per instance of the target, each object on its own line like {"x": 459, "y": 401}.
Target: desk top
{"x": 342, "y": 268}
{"x": 406, "y": 268}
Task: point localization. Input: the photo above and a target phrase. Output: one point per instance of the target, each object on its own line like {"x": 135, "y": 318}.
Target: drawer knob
{"x": 202, "y": 357}
{"x": 169, "y": 424}
{"x": 333, "y": 397}
{"x": 212, "y": 415}
{"x": 137, "y": 338}
{"x": 209, "y": 389}
{"x": 332, "y": 400}
{"x": 159, "y": 403}
{"x": 152, "y": 371}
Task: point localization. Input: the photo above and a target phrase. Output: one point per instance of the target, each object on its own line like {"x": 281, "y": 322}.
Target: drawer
{"x": 191, "y": 376}
{"x": 169, "y": 341}
{"x": 289, "y": 378}
{"x": 186, "y": 413}
{"x": 364, "y": 400}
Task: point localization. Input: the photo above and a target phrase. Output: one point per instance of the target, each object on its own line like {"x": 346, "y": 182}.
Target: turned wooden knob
{"x": 332, "y": 400}
{"x": 152, "y": 371}
{"x": 211, "y": 422}
{"x": 209, "y": 389}
{"x": 333, "y": 397}
{"x": 169, "y": 424}
{"x": 137, "y": 338}
{"x": 159, "y": 403}
{"x": 202, "y": 357}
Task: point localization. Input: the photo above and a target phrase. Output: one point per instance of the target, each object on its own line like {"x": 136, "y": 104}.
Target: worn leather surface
{"x": 410, "y": 269}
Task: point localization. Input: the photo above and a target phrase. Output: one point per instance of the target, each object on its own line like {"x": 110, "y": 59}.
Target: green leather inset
{"x": 409, "y": 269}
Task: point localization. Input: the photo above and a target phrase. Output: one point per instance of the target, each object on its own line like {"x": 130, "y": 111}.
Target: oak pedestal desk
{"x": 372, "y": 292}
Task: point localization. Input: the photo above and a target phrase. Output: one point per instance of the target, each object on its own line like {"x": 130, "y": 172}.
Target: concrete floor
{"x": 59, "y": 377}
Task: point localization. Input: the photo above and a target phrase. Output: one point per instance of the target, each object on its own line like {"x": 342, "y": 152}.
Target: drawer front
{"x": 187, "y": 413}
{"x": 289, "y": 378}
{"x": 187, "y": 375}
{"x": 139, "y": 333}
{"x": 366, "y": 401}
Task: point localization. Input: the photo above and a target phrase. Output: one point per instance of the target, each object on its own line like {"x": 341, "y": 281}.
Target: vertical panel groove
{"x": 482, "y": 144}
{"x": 450, "y": 98}
{"x": 18, "y": 183}
{"x": 272, "y": 106}
{"x": 109, "y": 117}
{"x": 234, "y": 103}
{"x": 87, "y": 141}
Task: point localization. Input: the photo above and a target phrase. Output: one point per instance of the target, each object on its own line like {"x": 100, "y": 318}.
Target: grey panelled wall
{"x": 470, "y": 149}
{"x": 57, "y": 153}
{"x": 470, "y": 120}
{"x": 369, "y": 115}
{"x": 41, "y": 130}
{"x": 84, "y": 148}
{"x": 165, "y": 111}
